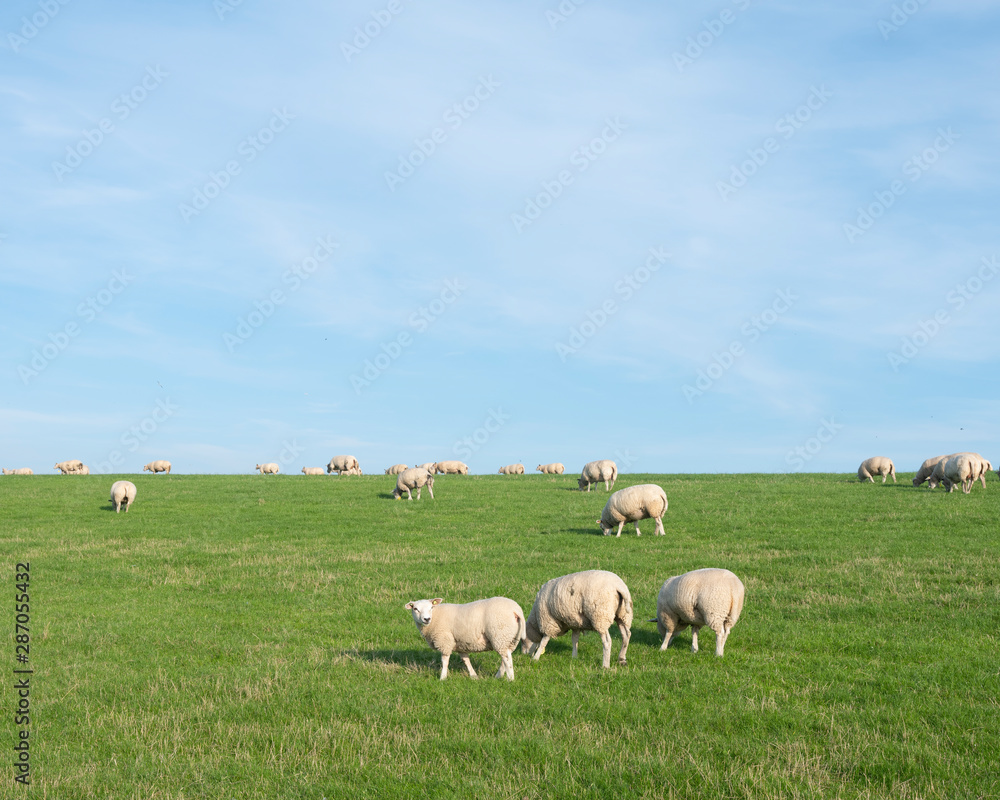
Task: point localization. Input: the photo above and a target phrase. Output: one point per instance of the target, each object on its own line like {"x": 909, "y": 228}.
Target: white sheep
{"x": 19, "y": 471}
{"x": 430, "y": 466}
{"x": 583, "y": 601}
{"x": 352, "y": 471}
{"x": 267, "y": 469}
{"x": 395, "y": 469}
{"x": 157, "y": 466}
{"x": 413, "y": 478}
{"x": 122, "y": 492}
{"x": 877, "y": 465}
{"x": 712, "y": 597}
{"x": 494, "y": 624}
{"x": 645, "y": 501}
{"x": 340, "y": 464}
{"x": 312, "y": 470}
{"x": 512, "y": 469}
{"x": 68, "y": 467}
{"x": 451, "y": 468}
{"x": 597, "y": 471}
{"x": 927, "y": 469}
{"x": 964, "y": 468}
{"x": 550, "y": 469}
{"x": 83, "y": 470}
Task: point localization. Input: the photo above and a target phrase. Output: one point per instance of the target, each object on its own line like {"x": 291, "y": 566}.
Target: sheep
{"x": 877, "y": 465}
{"x": 927, "y": 468}
{"x": 352, "y": 471}
{"x": 267, "y": 469}
{"x": 67, "y": 467}
{"x": 312, "y": 470}
{"x": 963, "y": 468}
{"x": 395, "y": 469}
{"x": 340, "y": 464}
{"x": 122, "y": 492}
{"x": 512, "y": 469}
{"x": 157, "y": 466}
{"x": 645, "y": 501}
{"x": 19, "y": 471}
{"x": 583, "y": 601}
{"x": 83, "y": 470}
{"x": 712, "y": 597}
{"x": 451, "y": 468}
{"x": 550, "y": 469}
{"x": 597, "y": 471}
{"x": 413, "y": 478}
{"x": 430, "y": 466}
{"x": 494, "y": 624}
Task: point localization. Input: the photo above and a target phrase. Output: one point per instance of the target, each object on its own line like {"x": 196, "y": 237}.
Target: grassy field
{"x": 245, "y": 637}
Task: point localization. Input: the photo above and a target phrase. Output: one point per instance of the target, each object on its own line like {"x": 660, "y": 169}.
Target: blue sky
{"x": 737, "y": 237}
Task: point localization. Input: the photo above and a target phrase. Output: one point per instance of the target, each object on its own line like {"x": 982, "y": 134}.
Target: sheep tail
{"x": 624, "y": 606}
{"x": 522, "y": 632}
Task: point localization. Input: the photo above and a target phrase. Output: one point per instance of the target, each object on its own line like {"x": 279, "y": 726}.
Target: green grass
{"x": 245, "y": 637}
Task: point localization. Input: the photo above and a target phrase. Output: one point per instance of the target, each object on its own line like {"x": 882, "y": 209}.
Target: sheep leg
{"x": 506, "y": 667}
{"x": 671, "y": 627}
{"x": 637, "y": 533}
{"x": 694, "y": 633}
{"x": 408, "y": 495}
{"x": 430, "y": 491}
{"x": 576, "y": 639}
{"x": 444, "y": 665}
{"x": 418, "y": 493}
{"x": 540, "y": 648}
{"x": 720, "y": 640}
{"x": 606, "y": 655}
{"x": 626, "y": 635}
{"x": 659, "y": 527}
{"x": 620, "y": 526}
{"x": 468, "y": 664}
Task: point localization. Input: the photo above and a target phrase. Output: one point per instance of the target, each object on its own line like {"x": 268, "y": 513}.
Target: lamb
{"x": 352, "y": 471}
{"x": 395, "y": 469}
{"x": 512, "y": 469}
{"x": 413, "y": 478}
{"x": 19, "y": 471}
{"x": 963, "y": 468}
{"x": 645, "y": 501}
{"x": 341, "y": 464}
{"x": 597, "y": 471}
{"x": 927, "y": 468}
{"x": 451, "y": 468}
{"x": 550, "y": 469}
{"x": 312, "y": 470}
{"x": 876, "y": 465}
{"x": 68, "y": 467}
{"x": 122, "y": 492}
{"x": 157, "y": 466}
{"x": 494, "y": 624}
{"x": 712, "y": 597}
{"x": 267, "y": 469}
{"x": 583, "y": 601}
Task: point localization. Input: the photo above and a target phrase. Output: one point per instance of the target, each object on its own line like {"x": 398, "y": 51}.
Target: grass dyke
{"x": 244, "y": 636}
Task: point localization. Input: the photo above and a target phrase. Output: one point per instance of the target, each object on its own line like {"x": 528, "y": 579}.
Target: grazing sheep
{"x": 550, "y": 469}
{"x": 712, "y": 597}
{"x": 877, "y": 465}
{"x": 83, "y": 470}
{"x": 396, "y": 469}
{"x": 157, "y": 466}
{"x": 19, "y": 471}
{"x": 927, "y": 469}
{"x": 645, "y": 501}
{"x": 430, "y": 466}
{"x": 451, "y": 468}
{"x": 963, "y": 468}
{"x": 413, "y": 478}
{"x": 68, "y": 467}
{"x": 122, "y": 492}
{"x": 340, "y": 464}
{"x": 583, "y": 601}
{"x": 493, "y": 624}
{"x": 312, "y": 470}
{"x": 597, "y": 471}
{"x": 512, "y": 469}
{"x": 267, "y": 469}
{"x": 352, "y": 471}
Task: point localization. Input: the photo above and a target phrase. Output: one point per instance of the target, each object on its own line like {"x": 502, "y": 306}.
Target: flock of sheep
{"x": 947, "y": 471}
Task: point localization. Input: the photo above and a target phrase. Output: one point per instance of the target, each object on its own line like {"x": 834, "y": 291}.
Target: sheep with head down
{"x": 645, "y": 501}
{"x": 964, "y": 469}
{"x": 157, "y": 466}
{"x": 512, "y": 469}
{"x": 267, "y": 469}
{"x": 341, "y": 464}
{"x": 395, "y": 469}
{"x": 452, "y": 467}
{"x": 68, "y": 467}
{"x": 550, "y": 469}
{"x": 877, "y": 465}
{"x": 597, "y": 471}
{"x": 413, "y": 478}
{"x": 712, "y": 597}
{"x": 122, "y": 493}
{"x": 312, "y": 470}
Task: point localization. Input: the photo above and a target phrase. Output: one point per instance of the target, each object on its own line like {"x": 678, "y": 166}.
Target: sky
{"x": 733, "y": 236}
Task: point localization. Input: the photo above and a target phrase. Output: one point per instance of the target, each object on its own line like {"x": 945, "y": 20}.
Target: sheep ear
{"x": 437, "y": 600}
{"x": 409, "y": 606}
